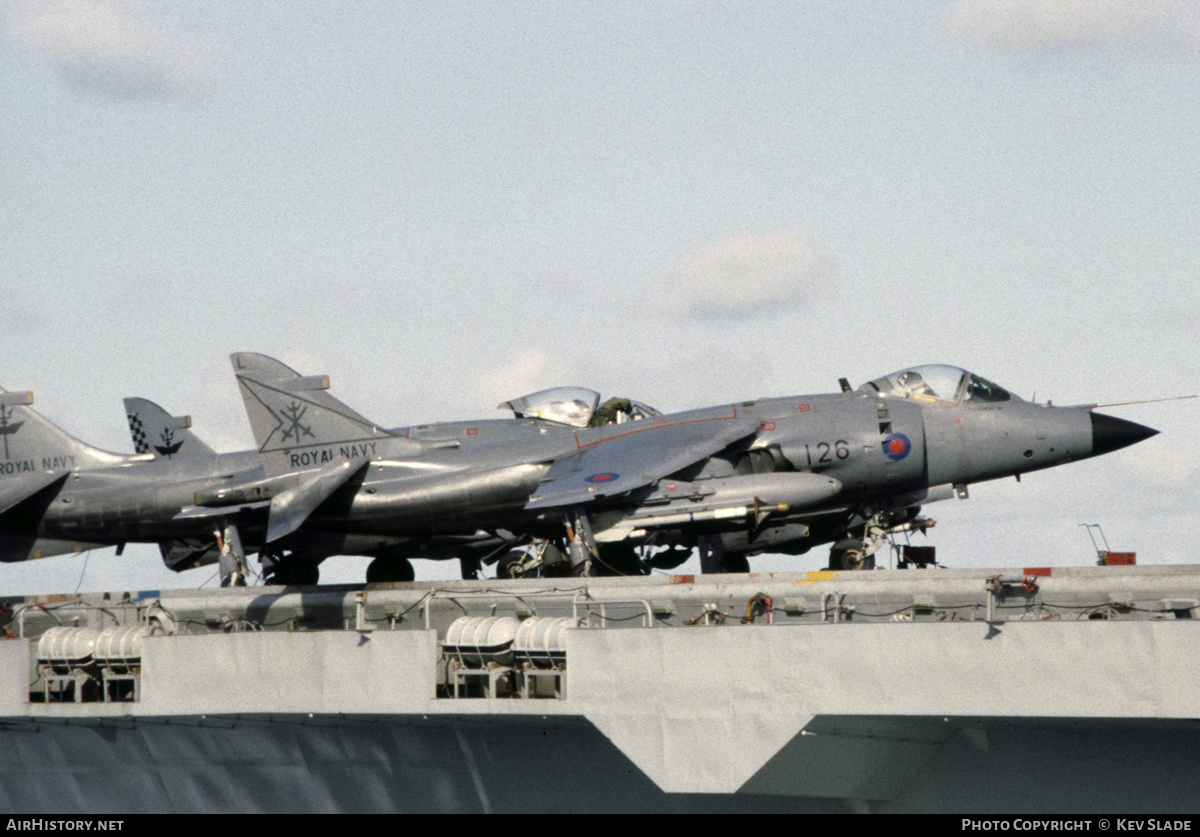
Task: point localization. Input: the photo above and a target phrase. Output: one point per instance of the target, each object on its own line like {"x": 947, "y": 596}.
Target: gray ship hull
{"x": 501, "y": 764}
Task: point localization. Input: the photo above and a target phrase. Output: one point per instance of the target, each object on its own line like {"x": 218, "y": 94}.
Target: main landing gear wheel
{"x": 848, "y": 555}
{"x": 509, "y": 565}
{"x": 390, "y": 569}
{"x": 735, "y": 564}
{"x": 295, "y": 573}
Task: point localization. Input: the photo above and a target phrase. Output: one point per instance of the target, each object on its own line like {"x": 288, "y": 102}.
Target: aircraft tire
{"x": 296, "y": 573}
{"x": 390, "y": 569}
{"x": 507, "y": 566}
{"x": 735, "y": 564}
{"x": 848, "y": 555}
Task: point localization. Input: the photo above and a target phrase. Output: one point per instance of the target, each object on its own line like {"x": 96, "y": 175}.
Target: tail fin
{"x": 37, "y": 453}
{"x": 156, "y": 431}
{"x": 29, "y": 442}
{"x": 299, "y": 427}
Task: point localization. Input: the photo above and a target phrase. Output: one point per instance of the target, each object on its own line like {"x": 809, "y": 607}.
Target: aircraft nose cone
{"x": 1110, "y": 433}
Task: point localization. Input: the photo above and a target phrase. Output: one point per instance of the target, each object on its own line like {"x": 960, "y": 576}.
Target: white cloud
{"x": 1139, "y": 25}
{"x": 746, "y": 275}
{"x": 520, "y": 372}
{"x": 113, "y": 48}
{"x": 1163, "y": 467}
{"x": 218, "y": 415}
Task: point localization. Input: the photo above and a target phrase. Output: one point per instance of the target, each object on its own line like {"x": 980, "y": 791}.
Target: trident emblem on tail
{"x": 293, "y": 414}
{"x": 7, "y": 429}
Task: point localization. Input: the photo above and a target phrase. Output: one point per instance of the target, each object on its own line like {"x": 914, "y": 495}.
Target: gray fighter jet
{"x": 236, "y": 502}
{"x": 59, "y": 495}
{"x": 778, "y": 475}
{"x": 39, "y": 460}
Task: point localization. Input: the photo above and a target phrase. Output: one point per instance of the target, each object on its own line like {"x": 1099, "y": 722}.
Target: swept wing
{"x": 629, "y": 456}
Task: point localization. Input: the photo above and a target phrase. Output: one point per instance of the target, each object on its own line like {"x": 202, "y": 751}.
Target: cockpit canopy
{"x": 573, "y": 406}
{"x": 565, "y": 405}
{"x": 939, "y": 383}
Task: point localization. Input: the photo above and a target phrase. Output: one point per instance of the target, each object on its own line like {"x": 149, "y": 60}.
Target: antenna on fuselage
{"x": 845, "y": 384}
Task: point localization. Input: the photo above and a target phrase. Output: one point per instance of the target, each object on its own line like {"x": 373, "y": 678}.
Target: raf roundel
{"x": 605, "y": 477}
{"x": 896, "y": 446}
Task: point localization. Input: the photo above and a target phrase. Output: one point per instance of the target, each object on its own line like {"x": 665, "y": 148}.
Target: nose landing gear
{"x": 851, "y": 554}
{"x": 857, "y": 552}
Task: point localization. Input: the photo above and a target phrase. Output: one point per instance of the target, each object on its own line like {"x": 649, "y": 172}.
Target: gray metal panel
{"x": 325, "y": 671}
{"x": 14, "y": 678}
{"x": 852, "y": 757}
{"x": 701, "y": 709}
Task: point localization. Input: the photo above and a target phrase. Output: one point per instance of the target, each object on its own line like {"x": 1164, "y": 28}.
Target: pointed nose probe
{"x": 1110, "y": 433}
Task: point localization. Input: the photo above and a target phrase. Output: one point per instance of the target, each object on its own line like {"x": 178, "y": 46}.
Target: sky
{"x": 443, "y": 206}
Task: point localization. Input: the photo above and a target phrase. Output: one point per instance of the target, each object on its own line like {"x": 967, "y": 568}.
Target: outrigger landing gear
{"x": 581, "y": 543}
{"x": 589, "y": 558}
{"x": 298, "y": 573}
{"x": 231, "y": 558}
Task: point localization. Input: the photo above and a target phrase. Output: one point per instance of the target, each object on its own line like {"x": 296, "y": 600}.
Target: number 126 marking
{"x": 840, "y": 449}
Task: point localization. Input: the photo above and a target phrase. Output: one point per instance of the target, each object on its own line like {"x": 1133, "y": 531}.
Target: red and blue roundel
{"x": 605, "y": 477}
{"x": 896, "y": 446}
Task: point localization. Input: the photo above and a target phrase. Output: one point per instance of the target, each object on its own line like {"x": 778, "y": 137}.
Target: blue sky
{"x": 444, "y": 206}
